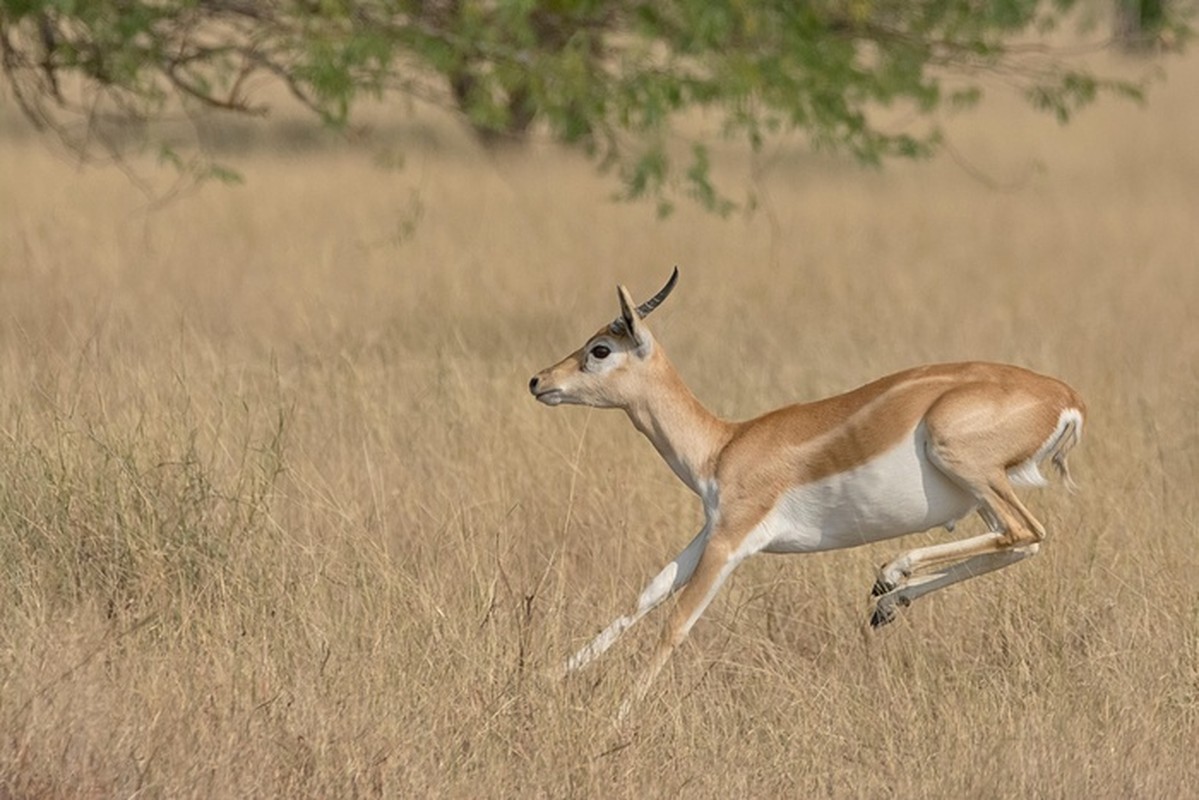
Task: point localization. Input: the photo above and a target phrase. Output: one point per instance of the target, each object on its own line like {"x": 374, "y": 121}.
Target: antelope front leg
{"x": 717, "y": 562}
{"x": 667, "y": 582}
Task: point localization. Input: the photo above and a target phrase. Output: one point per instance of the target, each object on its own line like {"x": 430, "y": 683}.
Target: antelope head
{"x": 608, "y": 371}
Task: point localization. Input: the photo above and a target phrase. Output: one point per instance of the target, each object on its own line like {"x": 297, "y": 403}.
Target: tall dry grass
{"x": 278, "y": 517}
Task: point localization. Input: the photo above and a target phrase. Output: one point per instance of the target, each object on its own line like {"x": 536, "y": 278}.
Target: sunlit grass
{"x": 278, "y": 517}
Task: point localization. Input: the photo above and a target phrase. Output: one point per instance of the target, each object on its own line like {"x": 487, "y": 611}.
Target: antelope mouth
{"x": 551, "y": 397}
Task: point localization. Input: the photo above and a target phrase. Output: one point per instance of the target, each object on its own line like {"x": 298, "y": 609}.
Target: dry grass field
{"x": 278, "y": 516}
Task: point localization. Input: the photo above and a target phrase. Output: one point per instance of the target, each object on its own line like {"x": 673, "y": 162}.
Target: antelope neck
{"x": 687, "y": 435}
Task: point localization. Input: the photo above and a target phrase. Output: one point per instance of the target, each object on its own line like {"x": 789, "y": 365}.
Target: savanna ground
{"x": 278, "y": 516}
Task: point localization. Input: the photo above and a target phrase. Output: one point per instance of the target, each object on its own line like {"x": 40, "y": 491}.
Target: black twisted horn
{"x": 655, "y": 301}
{"x": 619, "y": 327}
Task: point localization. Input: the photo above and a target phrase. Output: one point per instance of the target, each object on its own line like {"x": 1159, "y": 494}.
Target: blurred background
{"x": 279, "y": 517}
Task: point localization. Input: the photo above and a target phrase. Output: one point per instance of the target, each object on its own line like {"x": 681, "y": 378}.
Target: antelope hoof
{"x": 882, "y": 585}
{"x": 884, "y": 614}
{"x": 891, "y": 576}
{"x": 887, "y": 609}
{"x": 888, "y": 578}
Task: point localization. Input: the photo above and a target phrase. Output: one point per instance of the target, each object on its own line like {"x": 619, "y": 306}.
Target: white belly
{"x": 897, "y": 493}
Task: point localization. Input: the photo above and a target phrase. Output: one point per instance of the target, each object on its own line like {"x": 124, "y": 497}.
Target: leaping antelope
{"x": 909, "y": 452}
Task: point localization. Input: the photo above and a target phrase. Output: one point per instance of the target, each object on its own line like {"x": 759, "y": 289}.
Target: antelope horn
{"x": 655, "y": 301}
{"x": 620, "y": 326}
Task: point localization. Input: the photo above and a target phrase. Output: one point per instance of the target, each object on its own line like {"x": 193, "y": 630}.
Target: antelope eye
{"x": 600, "y": 352}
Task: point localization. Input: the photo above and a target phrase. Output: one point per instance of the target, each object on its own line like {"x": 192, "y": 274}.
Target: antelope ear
{"x": 632, "y": 322}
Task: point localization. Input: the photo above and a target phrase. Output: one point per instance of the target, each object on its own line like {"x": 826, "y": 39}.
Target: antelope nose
{"x": 533, "y": 384}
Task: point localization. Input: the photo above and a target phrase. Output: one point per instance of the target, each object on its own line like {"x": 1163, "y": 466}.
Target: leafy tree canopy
{"x": 609, "y": 77}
